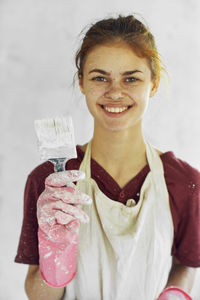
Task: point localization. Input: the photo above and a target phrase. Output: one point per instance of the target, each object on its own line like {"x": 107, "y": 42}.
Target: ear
{"x": 154, "y": 88}
{"x": 81, "y": 85}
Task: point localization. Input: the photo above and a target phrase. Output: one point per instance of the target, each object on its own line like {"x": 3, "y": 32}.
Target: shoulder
{"x": 35, "y": 182}
{"x": 178, "y": 169}
{"x": 183, "y": 183}
{"x": 182, "y": 178}
{"x": 40, "y": 172}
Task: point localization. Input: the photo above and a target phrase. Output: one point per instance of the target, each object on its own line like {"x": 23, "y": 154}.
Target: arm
{"x": 180, "y": 282}
{"x": 36, "y": 288}
{"x": 181, "y": 276}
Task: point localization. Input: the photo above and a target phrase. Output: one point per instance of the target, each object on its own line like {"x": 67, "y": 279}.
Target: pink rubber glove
{"x": 59, "y": 216}
{"x": 174, "y": 293}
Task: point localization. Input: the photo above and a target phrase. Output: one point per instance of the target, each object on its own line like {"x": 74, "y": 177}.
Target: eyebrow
{"x": 106, "y": 73}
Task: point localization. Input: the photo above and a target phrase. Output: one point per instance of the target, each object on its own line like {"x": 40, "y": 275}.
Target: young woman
{"x": 130, "y": 229}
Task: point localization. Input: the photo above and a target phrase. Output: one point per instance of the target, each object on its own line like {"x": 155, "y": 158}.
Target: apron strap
{"x": 86, "y": 162}
{"x": 154, "y": 160}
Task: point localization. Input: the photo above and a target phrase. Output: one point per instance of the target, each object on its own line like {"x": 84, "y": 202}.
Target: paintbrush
{"x": 56, "y": 141}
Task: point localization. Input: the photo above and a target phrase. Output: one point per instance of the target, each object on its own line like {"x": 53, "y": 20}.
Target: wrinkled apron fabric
{"x": 125, "y": 250}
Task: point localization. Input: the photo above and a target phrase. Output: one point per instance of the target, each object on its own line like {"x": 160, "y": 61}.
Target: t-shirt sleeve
{"x": 27, "y": 252}
{"x": 187, "y": 239}
{"x": 28, "y": 244}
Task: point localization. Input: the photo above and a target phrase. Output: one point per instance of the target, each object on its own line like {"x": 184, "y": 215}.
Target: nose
{"x": 114, "y": 92}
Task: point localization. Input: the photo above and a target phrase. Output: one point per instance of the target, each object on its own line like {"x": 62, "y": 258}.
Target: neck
{"x": 126, "y": 147}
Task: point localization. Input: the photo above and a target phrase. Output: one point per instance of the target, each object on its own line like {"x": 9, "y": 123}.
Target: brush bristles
{"x": 56, "y": 137}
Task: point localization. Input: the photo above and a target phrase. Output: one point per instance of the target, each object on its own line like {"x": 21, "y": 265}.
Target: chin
{"x": 115, "y": 128}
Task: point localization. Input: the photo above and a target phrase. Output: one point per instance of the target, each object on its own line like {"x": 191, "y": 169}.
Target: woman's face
{"x": 117, "y": 85}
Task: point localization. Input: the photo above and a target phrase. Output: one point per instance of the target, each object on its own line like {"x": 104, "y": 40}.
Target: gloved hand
{"x": 174, "y": 293}
{"x": 59, "y": 216}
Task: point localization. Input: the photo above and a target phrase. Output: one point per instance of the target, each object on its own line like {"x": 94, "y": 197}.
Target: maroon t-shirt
{"x": 183, "y": 184}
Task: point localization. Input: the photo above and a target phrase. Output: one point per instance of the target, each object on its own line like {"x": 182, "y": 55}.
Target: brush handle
{"x": 59, "y": 163}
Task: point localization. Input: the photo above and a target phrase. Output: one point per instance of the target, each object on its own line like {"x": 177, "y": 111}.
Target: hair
{"x": 123, "y": 29}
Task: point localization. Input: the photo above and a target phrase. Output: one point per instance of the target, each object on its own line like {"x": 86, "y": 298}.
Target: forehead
{"x": 115, "y": 57}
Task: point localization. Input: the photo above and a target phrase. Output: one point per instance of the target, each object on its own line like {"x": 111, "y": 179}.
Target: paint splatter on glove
{"x": 59, "y": 216}
{"x": 174, "y": 293}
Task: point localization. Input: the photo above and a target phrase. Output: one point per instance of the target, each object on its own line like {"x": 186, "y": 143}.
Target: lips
{"x": 115, "y": 109}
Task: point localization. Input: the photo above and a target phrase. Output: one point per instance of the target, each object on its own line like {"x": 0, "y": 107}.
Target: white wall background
{"x": 38, "y": 40}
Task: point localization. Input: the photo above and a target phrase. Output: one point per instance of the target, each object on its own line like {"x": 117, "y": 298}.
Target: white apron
{"x": 125, "y": 250}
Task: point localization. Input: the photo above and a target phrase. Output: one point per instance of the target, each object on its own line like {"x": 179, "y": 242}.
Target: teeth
{"x": 115, "y": 109}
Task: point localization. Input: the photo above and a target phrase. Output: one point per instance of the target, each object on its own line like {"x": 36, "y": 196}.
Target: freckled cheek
{"x": 92, "y": 99}
{"x": 135, "y": 95}
{"x": 139, "y": 95}
{"x": 94, "y": 93}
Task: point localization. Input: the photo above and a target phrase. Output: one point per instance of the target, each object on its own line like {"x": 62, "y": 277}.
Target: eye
{"x": 99, "y": 78}
{"x": 131, "y": 79}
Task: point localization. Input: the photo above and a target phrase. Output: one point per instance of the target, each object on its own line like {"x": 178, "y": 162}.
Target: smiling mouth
{"x": 115, "y": 109}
